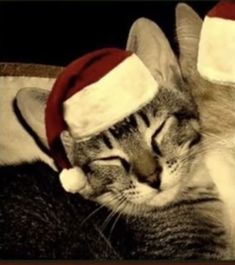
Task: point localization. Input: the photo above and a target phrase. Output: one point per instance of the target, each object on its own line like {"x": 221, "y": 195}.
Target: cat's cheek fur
{"x": 148, "y": 196}
{"x": 165, "y": 197}
{"x": 170, "y": 178}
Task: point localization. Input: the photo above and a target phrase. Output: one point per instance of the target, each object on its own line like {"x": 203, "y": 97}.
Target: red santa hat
{"x": 90, "y": 95}
{"x": 216, "y": 57}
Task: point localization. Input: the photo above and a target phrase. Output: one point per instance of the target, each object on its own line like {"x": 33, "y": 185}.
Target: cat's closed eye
{"x": 114, "y": 160}
{"x": 156, "y": 148}
{"x": 154, "y": 143}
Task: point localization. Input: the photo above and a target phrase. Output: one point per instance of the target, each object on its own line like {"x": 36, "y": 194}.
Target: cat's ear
{"x": 31, "y": 103}
{"x": 150, "y": 44}
{"x": 188, "y": 28}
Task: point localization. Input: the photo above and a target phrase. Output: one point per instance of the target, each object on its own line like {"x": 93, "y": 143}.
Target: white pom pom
{"x": 73, "y": 180}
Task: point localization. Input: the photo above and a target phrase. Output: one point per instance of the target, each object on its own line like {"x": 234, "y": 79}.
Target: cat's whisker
{"x": 188, "y": 157}
{"x": 114, "y": 224}
{"x": 112, "y": 214}
{"x": 107, "y": 220}
{"x": 211, "y": 146}
{"x": 135, "y": 207}
{"x": 193, "y": 158}
{"x": 214, "y": 136}
{"x": 122, "y": 206}
{"x": 200, "y": 151}
{"x": 220, "y": 142}
{"x": 91, "y": 214}
{"x": 209, "y": 136}
{"x": 97, "y": 210}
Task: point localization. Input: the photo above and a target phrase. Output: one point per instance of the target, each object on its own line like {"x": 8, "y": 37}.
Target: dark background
{"x": 58, "y": 32}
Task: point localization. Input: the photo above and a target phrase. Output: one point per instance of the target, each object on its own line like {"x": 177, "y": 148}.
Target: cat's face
{"x": 140, "y": 163}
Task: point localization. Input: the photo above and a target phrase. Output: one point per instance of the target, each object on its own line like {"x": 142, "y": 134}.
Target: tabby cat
{"x": 154, "y": 160}
{"x": 143, "y": 161}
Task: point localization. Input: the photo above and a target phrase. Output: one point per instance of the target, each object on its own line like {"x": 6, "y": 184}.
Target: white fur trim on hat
{"x": 73, "y": 180}
{"x": 216, "y": 57}
{"x": 124, "y": 90}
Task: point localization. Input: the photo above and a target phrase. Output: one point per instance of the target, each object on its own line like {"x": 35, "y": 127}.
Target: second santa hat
{"x": 216, "y": 56}
{"x": 90, "y": 95}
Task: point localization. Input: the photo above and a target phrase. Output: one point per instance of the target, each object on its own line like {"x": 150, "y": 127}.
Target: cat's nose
{"x": 154, "y": 179}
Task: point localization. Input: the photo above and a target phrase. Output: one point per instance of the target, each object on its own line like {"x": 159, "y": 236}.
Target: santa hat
{"x": 216, "y": 57}
{"x": 90, "y": 95}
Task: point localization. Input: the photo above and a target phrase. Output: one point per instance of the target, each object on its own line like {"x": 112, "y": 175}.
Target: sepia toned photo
{"x": 117, "y": 130}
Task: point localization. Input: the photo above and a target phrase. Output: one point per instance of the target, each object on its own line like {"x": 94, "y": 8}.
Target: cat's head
{"x": 213, "y": 100}
{"x": 141, "y": 162}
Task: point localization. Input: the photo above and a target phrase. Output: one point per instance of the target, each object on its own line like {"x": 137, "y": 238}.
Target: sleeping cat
{"x": 217, "y": 114}
{"x": 154, "y": 159}
{"x": 143, "y": 161}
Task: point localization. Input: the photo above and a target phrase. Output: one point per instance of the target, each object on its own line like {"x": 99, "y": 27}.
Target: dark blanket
{"x": 39, "y": 220}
